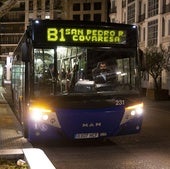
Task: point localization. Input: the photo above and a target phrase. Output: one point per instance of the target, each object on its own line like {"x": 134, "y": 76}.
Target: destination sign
{"x": 52, "y": 33}
{"x": 86, "y": 35}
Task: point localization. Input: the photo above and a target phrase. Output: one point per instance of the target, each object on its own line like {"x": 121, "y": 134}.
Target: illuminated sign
{"x": 52, "y": 33}
{"x": 86, "y": 35}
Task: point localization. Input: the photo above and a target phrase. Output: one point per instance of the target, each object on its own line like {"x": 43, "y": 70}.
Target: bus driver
{"x": 100, "y": 72}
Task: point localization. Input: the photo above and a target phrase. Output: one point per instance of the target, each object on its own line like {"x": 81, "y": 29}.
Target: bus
{"x": 77, "y": 80}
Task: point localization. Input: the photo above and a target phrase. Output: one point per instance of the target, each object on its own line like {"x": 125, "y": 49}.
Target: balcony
{"x": 10, "y": 39}
{"x": 11, "y": 29}
{"x": 13, "y": 17}
{"x": 6, "y": 19}
{"x": 21, "y": 8}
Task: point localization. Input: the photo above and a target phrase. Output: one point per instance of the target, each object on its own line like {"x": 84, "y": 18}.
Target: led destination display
{"x": 86, "y": 35}
{"x": 51, "y": 33}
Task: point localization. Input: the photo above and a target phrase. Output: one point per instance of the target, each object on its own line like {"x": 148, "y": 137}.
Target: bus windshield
{"x": 76, "y": 70}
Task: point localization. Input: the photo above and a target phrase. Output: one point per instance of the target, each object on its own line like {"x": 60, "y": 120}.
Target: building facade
{"x": 153, "y": 20}
{"x": 16, "y": 20}
{"x": 87, "y": 10}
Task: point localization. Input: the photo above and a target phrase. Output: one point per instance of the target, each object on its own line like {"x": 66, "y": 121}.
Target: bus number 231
{"x": 119, "y": 102}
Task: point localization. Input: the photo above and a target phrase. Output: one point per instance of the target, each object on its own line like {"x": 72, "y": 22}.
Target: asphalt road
{"x": 148, "y": 150}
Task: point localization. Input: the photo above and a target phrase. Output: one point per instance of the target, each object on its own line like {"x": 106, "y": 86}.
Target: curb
{"x": 11, "y": 154}
{"x": 35, "y": 158}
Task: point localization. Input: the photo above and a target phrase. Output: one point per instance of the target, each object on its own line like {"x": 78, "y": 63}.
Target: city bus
{"x": 77, "y": 80}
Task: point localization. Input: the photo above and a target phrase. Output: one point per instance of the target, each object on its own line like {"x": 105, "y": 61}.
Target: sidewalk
{"x": 10, "y": 129}
{"x": 12, "y": 143}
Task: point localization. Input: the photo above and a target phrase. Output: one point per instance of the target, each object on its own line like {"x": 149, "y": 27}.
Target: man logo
{"x": 97, "y": 124}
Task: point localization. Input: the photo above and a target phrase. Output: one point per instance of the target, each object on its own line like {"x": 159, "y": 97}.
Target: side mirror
{"x": 26, "y": 52}
{"x": 141, "y": 60}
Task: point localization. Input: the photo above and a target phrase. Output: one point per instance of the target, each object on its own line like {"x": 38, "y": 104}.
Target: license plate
{"x": 86, "y": 135}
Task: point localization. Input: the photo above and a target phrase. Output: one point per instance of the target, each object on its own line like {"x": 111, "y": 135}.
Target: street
{"x": 150, "y": 149}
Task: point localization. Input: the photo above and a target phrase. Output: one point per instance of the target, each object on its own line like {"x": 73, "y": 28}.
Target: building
{"x": 87, "y": 10}
{"x": 153, "y": 20}
{"x": 15, "y": 19}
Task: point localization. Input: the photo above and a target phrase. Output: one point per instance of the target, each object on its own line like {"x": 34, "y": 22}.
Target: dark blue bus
{"x": 77, "y": 80}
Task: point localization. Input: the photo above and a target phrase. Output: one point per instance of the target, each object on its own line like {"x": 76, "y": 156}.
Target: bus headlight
{"x": 131, "y": 112}
{"x": 135, "y": 109}
{"x": 39, "y": 114}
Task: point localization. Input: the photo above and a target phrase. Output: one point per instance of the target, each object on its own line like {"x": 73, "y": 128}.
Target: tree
{"x": 156, "y": 60}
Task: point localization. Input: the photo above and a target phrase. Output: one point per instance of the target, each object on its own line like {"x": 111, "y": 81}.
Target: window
{"x": 97, "y": 6}
{"x": 152, "y": 32}
{"x": 168, "y": 27}
{"x": 14, "y": 17}
{"x": 131, "y": 14}
{"x": 113, "y": 20}
{"x": 139, "y": 28}
{"x": 129, "y": 1}
{"x": 144, "y": 34}
{"x": 164, "y": 6}
{"x": 57, "y": 4}
{"x": 76, "y": 17}
{"x": 10, "y": 39}
{"x": 76, "y": 7}
{"x": 86, "y": 6}
{"x": 152, "y": 8}
{"x": 47, "y": 5}
{"x": 86, "y": 17}
{"x": 124, "y": 17}
{"x": 17, "y": 28}
{"x": 140, "y": 7}
{"x": 113, "y": 7}
{"x": 38, "y": 5}
{"x": 144, "y": 10}
{"x": 141, "y": 11}
{"x": 123, "y": 3}
{"x": 22, "y": 5}
{"x": 163, "y": 27}
{"x": 30, "y": 5}
{"x": 97, "y": 17}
